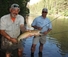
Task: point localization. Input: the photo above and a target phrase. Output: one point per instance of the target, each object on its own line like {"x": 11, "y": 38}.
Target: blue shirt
{"x": 41, "y": 22}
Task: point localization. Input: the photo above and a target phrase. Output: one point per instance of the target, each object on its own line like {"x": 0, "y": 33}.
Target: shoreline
{"x": 59, "y": 16}
{"x": 54, "y": 15}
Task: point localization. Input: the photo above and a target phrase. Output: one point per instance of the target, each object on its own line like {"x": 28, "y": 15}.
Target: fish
{"x": 28, "y": 34}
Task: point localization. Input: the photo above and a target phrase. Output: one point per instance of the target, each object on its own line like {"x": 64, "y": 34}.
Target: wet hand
{"x": 45, "y": 32}
{"x": 13, "y": 40}
{"x": 28, "y": 30}
{"x": 31, "y": 35}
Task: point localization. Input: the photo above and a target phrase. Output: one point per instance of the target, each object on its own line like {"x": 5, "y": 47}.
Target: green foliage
{"x": 53, "y": 6}
{"x": 5, "y": 5}
{"x": 66, "y": 13}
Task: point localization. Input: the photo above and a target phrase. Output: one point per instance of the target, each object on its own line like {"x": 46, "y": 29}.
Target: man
{"x": 44, "y": 24}
{"x": 10, "y": 27}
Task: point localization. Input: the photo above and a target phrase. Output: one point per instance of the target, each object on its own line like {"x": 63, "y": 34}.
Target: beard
{"x": 44, "y": 15}
{"x": 14, "y": 16}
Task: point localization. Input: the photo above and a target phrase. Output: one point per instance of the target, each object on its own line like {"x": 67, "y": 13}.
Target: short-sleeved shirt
{"x": 10, "y": 27}
{"x": 41, "y": 22}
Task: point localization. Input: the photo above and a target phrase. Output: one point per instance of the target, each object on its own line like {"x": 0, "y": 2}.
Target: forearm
{"x": 3, "y": 33}
{"x": 49, "y": 30}
{"x": 23, "y": 28}
{"x": 35, "y": 27}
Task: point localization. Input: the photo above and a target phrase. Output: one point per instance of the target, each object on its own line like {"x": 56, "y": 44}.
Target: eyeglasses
{"x": 44, "y": 12}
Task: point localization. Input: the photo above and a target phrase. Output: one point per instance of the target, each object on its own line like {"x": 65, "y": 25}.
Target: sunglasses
{"x": 44, "y": 12}
{"x": 16, "y": 6}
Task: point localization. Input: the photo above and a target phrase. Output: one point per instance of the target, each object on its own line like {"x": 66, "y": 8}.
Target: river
{"x": 56, "y": 42}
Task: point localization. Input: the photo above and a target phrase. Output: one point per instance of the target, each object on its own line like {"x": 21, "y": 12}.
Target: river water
{"x": 56, "y": 41}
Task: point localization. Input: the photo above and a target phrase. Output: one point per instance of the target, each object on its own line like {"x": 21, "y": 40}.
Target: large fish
{"x": 28, "y": 34}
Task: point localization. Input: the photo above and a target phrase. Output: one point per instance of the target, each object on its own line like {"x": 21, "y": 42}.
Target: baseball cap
{"x": 45, "y": 9}
{"x": 15, "y": 6}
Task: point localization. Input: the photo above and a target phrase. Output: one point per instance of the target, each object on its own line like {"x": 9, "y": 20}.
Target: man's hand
{"x": 45, "y": 32}
{"x": 39, "y": 28}
{"x": 23, "y": 28}
{"x": 7, "y": 36}
{"x": 28, "y": 30}
{"x": 13, "y": 40}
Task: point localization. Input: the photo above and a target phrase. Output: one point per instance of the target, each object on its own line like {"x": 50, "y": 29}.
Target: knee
{"x": 8, "y": 54}
{"x": 20, "y": 50}
{"x": 33, "y": 47}
{"x": 41, "y": 44}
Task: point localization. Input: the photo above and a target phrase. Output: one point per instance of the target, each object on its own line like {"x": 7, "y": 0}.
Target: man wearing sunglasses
{"x": 10, "y": 27}
{"x": 43, "y": 24}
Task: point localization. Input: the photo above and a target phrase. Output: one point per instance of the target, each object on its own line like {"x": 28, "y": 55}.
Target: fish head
{"x": 37, "y": 32}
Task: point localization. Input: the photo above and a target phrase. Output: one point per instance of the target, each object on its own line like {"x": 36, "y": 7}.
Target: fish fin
{"x": 20, "y": 40}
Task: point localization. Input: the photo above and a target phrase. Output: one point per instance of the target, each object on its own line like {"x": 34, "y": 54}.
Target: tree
{"x": 53, "y": 6}
{"x": 5, "y": 4}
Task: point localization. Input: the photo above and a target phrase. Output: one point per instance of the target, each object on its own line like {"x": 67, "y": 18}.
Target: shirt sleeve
{"x": 34, "y": 22}
{"x": 22, "y": 20}
{"x": 2, "y": 24}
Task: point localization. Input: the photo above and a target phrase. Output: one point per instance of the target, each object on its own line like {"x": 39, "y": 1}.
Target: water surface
{"x": 56, "y": 41}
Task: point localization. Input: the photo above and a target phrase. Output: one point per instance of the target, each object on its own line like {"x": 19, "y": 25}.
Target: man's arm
{"x": 23, "y": 28}
{"x": 3, "y": 33}
{"x": 39, "y": 28}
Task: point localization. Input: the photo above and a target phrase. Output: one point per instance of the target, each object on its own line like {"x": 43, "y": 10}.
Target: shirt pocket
{"x": 9, "y": 27}
{"x": 17, "y": 25}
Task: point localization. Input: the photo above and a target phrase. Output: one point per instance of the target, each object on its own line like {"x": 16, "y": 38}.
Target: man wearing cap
{"x": 43, "y": 24}
{"x": 10, "y": 27}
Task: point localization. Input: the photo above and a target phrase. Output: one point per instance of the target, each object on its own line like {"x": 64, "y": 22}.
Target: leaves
{"x": 5, "y": 5}
{"x": 53, "y": 6}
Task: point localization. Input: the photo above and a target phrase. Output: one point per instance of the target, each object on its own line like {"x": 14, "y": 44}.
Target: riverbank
{"x": 53, "y": 15}
{"x": 59, "y": 16}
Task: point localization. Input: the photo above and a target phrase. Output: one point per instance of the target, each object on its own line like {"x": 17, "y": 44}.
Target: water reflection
{"x": 56, "y": 44}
